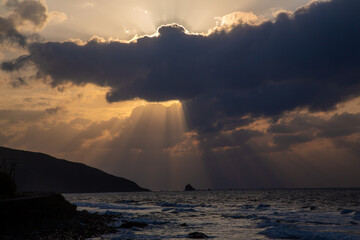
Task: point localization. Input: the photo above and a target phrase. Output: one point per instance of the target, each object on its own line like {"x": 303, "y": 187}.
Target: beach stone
{"x": 197, "y": 235}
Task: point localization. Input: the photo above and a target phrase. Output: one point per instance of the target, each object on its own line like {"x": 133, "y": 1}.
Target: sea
{"x": 232, "y": 214}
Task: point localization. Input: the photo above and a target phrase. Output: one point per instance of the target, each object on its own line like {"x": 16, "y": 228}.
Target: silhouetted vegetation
{"x": 7, "y": 174}
{"x": 7, "y": 185}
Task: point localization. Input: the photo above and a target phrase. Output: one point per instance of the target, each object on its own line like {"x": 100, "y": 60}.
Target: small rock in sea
{"x": 183, "y": 225}
{"x": 197, "y": 235}
{"x": 189, "y": 188}
{"x": 312, "y": 208}
{"x": 131, "y": 224}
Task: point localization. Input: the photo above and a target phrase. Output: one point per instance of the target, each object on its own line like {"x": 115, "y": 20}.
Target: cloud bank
{"x": 306, "y": 59}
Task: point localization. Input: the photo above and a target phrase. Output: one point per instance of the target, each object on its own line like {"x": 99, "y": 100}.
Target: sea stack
{"x": 189, "y": 188}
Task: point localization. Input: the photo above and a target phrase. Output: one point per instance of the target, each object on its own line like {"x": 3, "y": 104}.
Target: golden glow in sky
{"x": 153, "y": 143}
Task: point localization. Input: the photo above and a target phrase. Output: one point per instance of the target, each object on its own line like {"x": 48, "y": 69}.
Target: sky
{"x": 231, "y": 94}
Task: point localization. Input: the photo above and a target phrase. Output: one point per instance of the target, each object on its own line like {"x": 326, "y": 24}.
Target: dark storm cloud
{"x": 283, "y": 142}
{"x": 340, "y": 125}
{"x": 337, "y": 126}
{"x": 32, "y": 11}
{"x": 235, "y": 138}
{"x": 308, "y": 59}
{"x": 15, "y": 64}
{"x": 305, "y": 128}
{"x": 291, "y": 130}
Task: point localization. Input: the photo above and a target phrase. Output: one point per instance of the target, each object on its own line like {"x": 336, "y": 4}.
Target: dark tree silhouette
{"x": 7, "y": 177}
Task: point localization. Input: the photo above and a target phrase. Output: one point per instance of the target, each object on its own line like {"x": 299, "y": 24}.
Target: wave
{"x": 108, "y": 206}
{"x": 287, "y": 232}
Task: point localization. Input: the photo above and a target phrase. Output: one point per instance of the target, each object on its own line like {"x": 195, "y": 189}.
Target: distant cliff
{"x": 40, "y": 172}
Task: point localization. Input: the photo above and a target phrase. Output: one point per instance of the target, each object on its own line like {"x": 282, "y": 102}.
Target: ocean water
{"x": 241, "y": 214}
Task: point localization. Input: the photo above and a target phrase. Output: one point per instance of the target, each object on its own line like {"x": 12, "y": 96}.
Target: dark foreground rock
{"x": 49, "y": 217}
{"x": 83, "y": 225}
{"x": 197, "y": 235}
{"x": 189, "y": 188}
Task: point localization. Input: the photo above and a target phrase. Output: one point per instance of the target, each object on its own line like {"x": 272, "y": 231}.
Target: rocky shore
{"x": 49, "y": 216}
